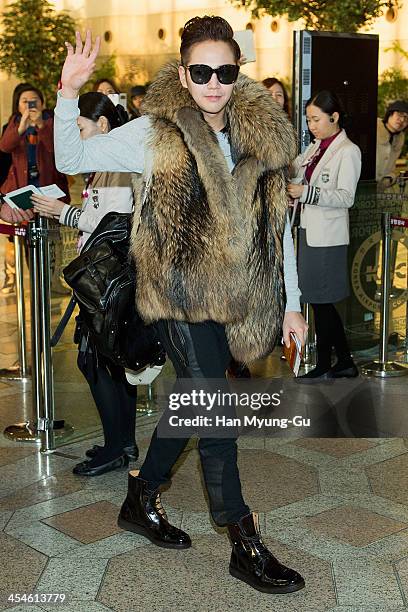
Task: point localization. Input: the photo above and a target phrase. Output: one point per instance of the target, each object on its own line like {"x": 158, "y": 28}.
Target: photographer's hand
{"x": 36, "y": 118}
{"x": 24, "y": 122}
{"x": 79, "y": 64}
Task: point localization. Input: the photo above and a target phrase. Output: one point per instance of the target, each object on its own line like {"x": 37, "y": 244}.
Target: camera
{"x": 32, "y": 104}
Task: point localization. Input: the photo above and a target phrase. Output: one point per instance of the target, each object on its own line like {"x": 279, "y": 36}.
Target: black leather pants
{"x": 199, "y": 350}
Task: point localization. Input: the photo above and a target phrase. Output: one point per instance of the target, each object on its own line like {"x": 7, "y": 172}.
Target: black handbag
{"x": 103, "y": 280}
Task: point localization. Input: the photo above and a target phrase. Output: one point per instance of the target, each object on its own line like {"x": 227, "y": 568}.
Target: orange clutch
{"x": 293, "y": 353}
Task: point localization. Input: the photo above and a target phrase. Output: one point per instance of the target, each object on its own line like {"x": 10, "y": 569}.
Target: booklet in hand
{"x": 293, "y": 353}
{"x": 21, "y": 198}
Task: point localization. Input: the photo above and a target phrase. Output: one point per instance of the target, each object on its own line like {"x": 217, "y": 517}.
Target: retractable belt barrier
{"x": 41, "y": 428}
{"x": 399, "y": 222}
{"x": 383, "y": 367}
{"x": 12, "y": 230}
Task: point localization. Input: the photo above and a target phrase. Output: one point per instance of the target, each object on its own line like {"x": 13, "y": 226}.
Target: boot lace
{"x": 261, "y": 549}
{"x": 159, "y": 506}
{"x": 257, "y": 548}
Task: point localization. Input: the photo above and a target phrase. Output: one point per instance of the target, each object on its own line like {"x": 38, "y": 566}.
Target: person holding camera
{"x": 29, "y": 139}
{"x": 7, "y": 213}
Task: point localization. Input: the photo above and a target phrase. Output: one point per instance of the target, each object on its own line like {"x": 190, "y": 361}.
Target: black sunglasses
{"x": 201, "y": 73}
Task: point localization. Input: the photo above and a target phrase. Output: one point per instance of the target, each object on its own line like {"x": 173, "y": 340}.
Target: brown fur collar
{"x": 209, "y": 243}
{"x": 258, "y": 126}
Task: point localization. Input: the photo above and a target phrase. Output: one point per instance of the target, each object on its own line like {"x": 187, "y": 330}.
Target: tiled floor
{"x": 335, "y": 509}
{"x": 59, "y": 532}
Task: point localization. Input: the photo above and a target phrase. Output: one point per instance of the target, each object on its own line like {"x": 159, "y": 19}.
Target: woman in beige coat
{"x": 390, "y": 140}
{"x": 325, "y": 181}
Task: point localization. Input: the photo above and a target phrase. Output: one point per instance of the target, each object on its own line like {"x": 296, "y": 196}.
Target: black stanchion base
{"x": 22, "y": 432}
{"x": 14, "y": 373}
{"x": 28, "y": 432}
{"x": 388, "y": 369}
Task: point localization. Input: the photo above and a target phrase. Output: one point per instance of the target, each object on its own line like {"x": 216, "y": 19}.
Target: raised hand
{"x": 79, "y": 64}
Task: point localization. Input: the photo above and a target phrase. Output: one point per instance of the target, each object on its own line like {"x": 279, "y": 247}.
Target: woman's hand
{"x": 294, "y": 322}
{"x": 295, "y": 190}
{"x": 35, "y": 118}
{"x": 79, "y": 64}
{"x": 24, "y": 122}
{"x": 14, "y": 215}
{"x": 47, "y": 207}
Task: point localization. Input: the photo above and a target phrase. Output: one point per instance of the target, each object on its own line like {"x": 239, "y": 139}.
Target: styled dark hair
{"x": 329, "y": 103}
{"x": 273, "y": 81}
{"x": 200, "y": 29}
{"x": 111, "y": 83}
{"x": 95, "y": 104}
{"x": 19, "y": 90}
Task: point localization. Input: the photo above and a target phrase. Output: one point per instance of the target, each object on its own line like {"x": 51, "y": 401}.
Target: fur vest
{"x": 209, "y": 245}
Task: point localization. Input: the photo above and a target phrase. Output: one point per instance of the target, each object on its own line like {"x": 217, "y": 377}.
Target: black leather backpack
{"x": 103, "y": 280}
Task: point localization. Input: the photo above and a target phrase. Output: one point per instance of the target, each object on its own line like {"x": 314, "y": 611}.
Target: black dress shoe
{"x": 85, "y": 468}
{"x": 131, "y": 451}
{"x": 143, "y": 513}
{"x": 345, "y": 370}
{"x": 92, "y": 452}
{"x": 254, "y": 564}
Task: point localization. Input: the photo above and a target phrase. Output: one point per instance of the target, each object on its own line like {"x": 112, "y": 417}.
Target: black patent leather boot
{"x": 143, "y": 513}
{"x": 252, "y": 562}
